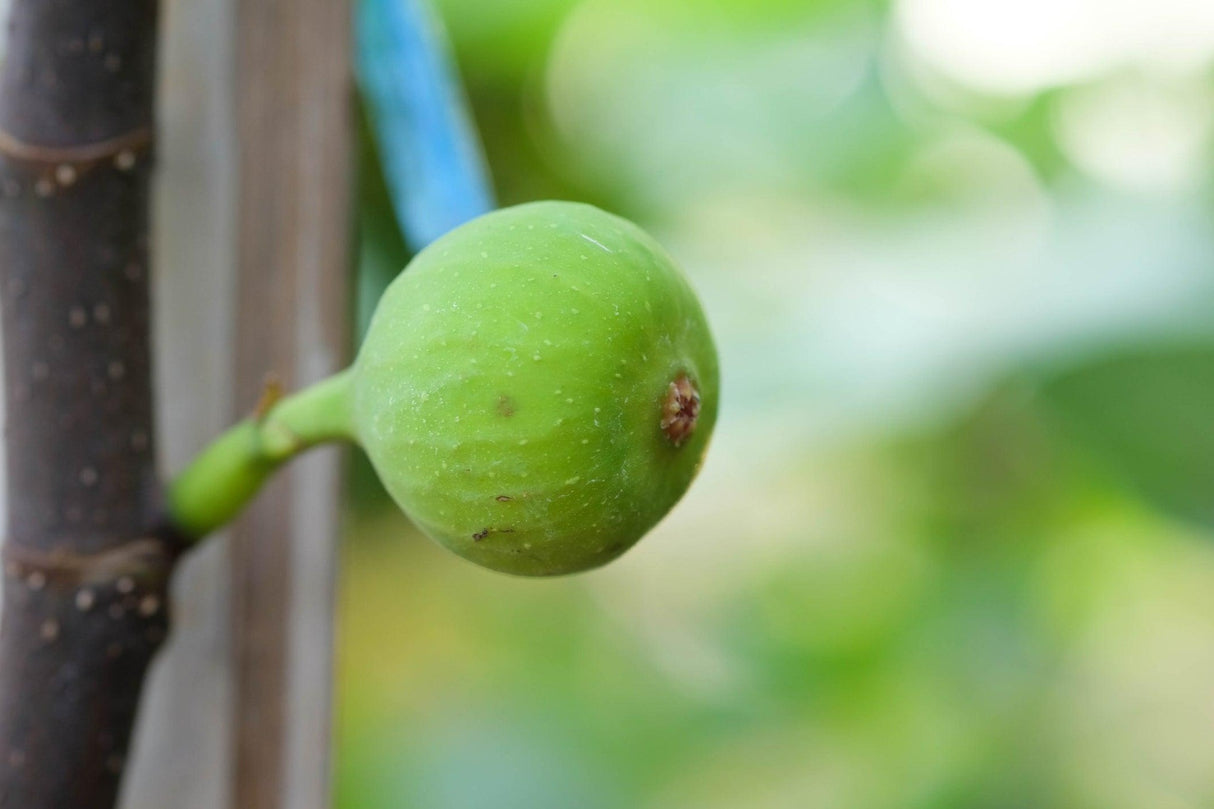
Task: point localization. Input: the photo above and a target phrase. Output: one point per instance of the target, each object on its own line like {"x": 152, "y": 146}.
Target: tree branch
{"x": 85, "y": 569}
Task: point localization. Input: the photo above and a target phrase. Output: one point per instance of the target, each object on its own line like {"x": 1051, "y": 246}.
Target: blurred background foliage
{"x": 954, "y": 543}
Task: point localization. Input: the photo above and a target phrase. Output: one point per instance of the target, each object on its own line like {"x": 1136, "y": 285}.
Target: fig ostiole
{"x": 536, "y": 391}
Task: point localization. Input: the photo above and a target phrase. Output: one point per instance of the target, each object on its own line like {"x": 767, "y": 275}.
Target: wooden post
{"x": 294, "y": 128}
{"x": 182, "y": 754}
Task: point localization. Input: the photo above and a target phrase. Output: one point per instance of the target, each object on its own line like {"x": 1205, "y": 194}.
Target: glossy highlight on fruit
{"x": 538, "y": 388}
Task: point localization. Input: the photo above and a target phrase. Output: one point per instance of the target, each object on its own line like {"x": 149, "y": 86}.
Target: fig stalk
{"x": 230, "y": 471}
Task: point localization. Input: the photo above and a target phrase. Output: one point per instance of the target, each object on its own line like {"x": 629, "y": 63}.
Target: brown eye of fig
{"x": 680, "y": 409}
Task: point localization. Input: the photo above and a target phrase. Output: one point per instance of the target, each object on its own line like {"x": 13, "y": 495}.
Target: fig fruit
{"x": 538, "y": 388}
{"x": 536, "y": 391}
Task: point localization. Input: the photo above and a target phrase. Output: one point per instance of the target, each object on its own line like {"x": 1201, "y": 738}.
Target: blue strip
{"x": 433, "y": 165}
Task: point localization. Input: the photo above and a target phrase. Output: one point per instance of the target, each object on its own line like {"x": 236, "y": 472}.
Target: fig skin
{"x": 513, "y": 391}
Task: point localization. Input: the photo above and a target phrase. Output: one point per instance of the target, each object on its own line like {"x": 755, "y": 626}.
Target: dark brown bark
{"x": 85, "y": 572}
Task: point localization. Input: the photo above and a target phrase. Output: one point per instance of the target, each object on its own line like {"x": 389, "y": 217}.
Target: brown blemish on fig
{"x": 505, "y": 406}
{"x": 484, "y": 532}
{"x": 680, "y": 409}
{"x": 503, "y": 498}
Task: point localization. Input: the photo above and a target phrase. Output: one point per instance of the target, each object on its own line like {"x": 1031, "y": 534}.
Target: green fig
{"x": 535, "y": 391}
{"x": 538, "y": 388}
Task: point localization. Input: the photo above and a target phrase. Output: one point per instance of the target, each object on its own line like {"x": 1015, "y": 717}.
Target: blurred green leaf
{"x": 1148, "y": 414}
